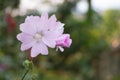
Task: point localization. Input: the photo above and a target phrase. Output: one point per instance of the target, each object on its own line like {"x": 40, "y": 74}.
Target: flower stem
{"x": 25, "y": 74}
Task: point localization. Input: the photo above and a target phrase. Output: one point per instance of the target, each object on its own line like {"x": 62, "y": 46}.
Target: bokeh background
{"x": 94, "y": 26}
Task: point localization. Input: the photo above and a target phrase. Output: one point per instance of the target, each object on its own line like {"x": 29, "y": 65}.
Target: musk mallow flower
{"x": 39, "y": 33}
{"x": 63, "y": 41}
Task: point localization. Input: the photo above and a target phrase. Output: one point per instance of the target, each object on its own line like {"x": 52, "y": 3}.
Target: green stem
{"x": 25, "y": 74}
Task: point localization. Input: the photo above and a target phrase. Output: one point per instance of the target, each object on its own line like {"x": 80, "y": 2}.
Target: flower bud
{"x": 28, "y": 64}
{"x": 63, "y": 41}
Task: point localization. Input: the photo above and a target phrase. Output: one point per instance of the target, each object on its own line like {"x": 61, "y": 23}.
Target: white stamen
{"x": 38, "y": 36}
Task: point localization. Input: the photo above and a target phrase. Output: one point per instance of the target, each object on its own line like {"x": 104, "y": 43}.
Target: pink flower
{"x": 39, "y": 33}
{"x": 63, "y": 41}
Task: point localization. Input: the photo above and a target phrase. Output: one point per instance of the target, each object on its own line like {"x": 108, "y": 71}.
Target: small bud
{"x": 28, "y": 64}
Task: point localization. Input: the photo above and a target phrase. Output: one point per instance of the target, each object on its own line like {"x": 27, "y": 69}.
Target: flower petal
{"x": 26, "y": 46}
{"x": 39, "y": 48}
{"x": 28, "y": 28}
{"x": 51, "y": 34}
{"x": 49, "y": 42}
{"x": 60, "y": 28}
{"x": 31, "y": 24}
{"x": 44, "y": 16}
{"x": 29, "y": 18}
{"x": 52, "y": 18}
{"x": 52, "y": 23}
{"x": 32, "y": 18}
{"x": 42, "y": 25}
{"x": 25, "y": 38}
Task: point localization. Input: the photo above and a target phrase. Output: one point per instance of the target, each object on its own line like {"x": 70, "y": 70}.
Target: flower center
{"x": 38, "y": 36}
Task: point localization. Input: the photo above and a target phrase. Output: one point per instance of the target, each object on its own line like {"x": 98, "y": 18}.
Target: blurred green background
{"x": 93, "y": 55}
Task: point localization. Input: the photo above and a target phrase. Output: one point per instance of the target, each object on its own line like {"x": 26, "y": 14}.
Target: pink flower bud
{"x": 63, "y": 41}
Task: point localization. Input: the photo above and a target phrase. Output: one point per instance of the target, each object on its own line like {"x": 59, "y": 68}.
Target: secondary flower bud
{"x": 63, "y": 41}
{"x": 28, "y": 64}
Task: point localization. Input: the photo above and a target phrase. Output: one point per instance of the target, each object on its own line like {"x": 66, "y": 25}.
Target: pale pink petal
{"x": 25, "y": 38}
{"x": 52, "y": 18}
{"x": 27, "y": 46}
{"x": 32, "y": 18}
{"x": 51, "y": 34}
{"x": 28, "y": 28}
{"x": 29, "y": 18}
{"x": 49, "y": 42}
{"x": 39, "y": 48}
{"x": 31, "y": 24}
{"x": 44, "y": 16}
{"x": 44, "y": 19}
{"x": 43, "y": 22}
{"x": 52, "y": 23}
{"x": 60, "y": 28}
{"x": 49, "y": 38}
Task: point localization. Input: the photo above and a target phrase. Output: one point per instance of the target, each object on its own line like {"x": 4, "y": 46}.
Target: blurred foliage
{"x": 91, "y": 36}
{"x": 5, "y": 3}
